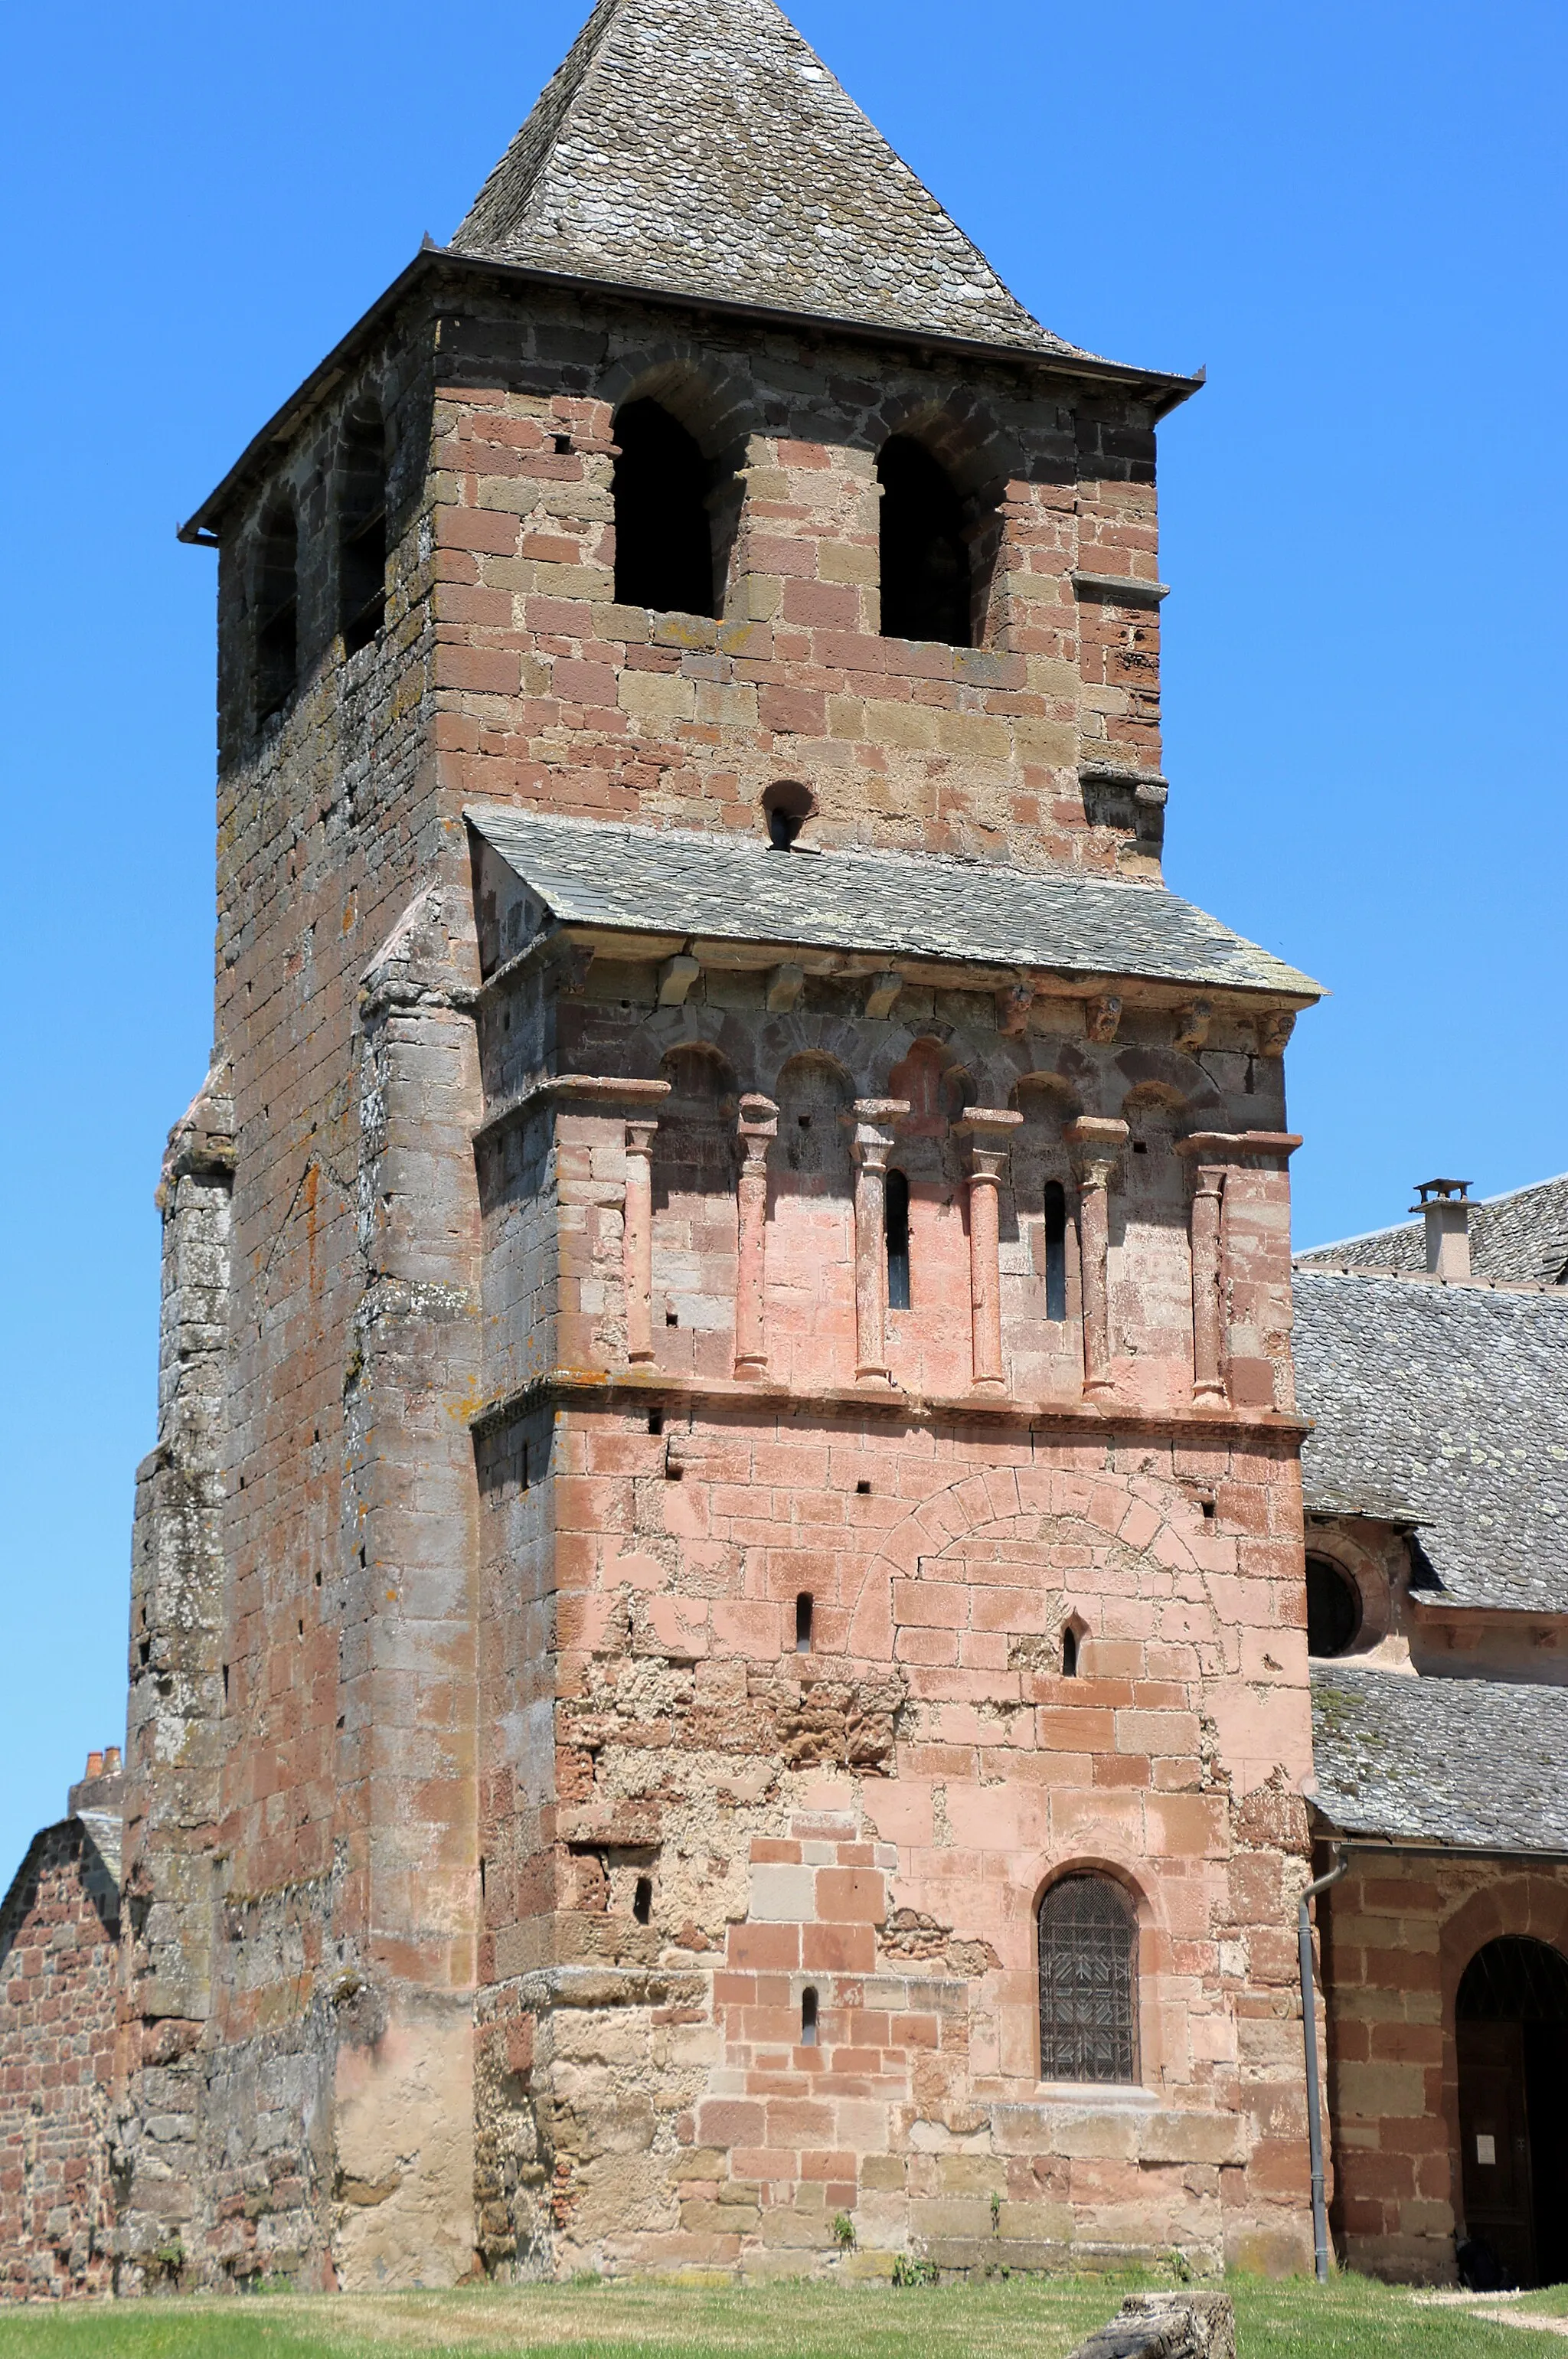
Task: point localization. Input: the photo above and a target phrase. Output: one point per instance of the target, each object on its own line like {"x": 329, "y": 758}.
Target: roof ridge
{"x": 516, "y": 173}
{"x": 706, "y": 150}
{"x": 1408, "y": 1227}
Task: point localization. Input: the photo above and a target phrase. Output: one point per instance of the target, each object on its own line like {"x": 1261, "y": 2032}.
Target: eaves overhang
{"x": 1163, "y": 390}
{"x": 730, "y": 899}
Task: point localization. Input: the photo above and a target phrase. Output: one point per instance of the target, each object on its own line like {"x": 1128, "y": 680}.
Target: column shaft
{"x": 758, "y": 1127}
{"x": 637, "y": 1246}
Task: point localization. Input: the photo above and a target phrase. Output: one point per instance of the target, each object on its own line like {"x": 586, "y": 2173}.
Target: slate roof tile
{"x": 707, "y": 150}
{"x": 1447, "y": 1407}
{"x": 1467, "y": 1763}
{"x": 909, "y": 904}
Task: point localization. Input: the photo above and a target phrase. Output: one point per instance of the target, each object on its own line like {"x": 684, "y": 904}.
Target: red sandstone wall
{"x": 59, "y": 1977}
{"x": 1401, "y": 1930}
{"x": 343, "y": 1938}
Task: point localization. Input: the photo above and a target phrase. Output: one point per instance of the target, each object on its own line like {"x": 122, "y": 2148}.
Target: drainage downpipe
{"x": 1310, "y": 2033}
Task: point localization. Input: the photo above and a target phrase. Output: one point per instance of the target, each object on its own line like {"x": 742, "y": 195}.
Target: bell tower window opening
{"x": 927, "y": 575}
{"x": 664, "y": 542}
{"x": 1088, "y": 1983}
{"x": 895, "y": 1217}
{"x": 277, "y": 614}
{"x": 361, "y": 528}
{"x": 1333, "y": 1609}
{"x": 1055, "y": 1250}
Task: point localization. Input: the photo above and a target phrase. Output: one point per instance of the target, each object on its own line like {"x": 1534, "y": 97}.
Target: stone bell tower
{"x": 719, "y": 1633}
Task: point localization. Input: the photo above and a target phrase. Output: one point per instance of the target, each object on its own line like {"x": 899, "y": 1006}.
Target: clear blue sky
{"x": 1351, "y": 211}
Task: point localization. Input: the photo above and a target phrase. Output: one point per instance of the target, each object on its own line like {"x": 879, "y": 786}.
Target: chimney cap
{"x": 1444, "y": 1192}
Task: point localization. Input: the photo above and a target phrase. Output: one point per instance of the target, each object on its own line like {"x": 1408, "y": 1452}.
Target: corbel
{"x": 1013, "y": 1007}
{"x": 676, "y": 977}
{"x": 883, "y": 996}
{"x": 1102, "y": 1017}
{"x": 1192, "y": 1023}
{"x": 1274, "y": 1030}
{"x": 784, "y": 985}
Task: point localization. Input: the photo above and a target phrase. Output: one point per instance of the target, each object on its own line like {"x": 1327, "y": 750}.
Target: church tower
{"x": 718, "y": 1633}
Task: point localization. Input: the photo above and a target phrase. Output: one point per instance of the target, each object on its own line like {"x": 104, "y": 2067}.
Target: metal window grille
{"x": 1088, "y": 1983}
{"x": 1515, "y": 1980}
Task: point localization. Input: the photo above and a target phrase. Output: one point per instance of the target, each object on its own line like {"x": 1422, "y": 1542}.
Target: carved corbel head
{"x": 1102, "y": 1017}
{"x": 1274, "y": 1032}
{"x": 1192, "y": 1023}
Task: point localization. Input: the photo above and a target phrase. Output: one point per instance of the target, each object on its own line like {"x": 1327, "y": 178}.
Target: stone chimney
{"x": 101, "y": 1786}
{"x": 1444, "y": 1206}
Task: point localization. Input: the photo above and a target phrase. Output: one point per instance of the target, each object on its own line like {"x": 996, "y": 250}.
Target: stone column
{"x": 1097, "y": 1146}
{"x": 987, "y": 1129}
{"x": 758, "y": 1126}
{"x": 1208, "y": 1326}
{"x": 638, "y": 1248}
{"x": 871, "y": 1143}
{"x": 1222, "y": 1163}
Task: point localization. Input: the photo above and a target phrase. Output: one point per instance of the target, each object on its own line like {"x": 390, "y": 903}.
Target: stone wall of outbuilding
{"x": 1399, "y": 1932}
{"x": 58, "y": 1983}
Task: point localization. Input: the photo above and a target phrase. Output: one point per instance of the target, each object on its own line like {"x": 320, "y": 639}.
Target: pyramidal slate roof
{"x": 1521, "y": 1236}
{"x": 701, "y": 147}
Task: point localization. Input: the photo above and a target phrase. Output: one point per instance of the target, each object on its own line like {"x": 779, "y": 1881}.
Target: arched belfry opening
{"x": 1511, "y": 2032}
{"x": 664, "y": 540}
{"x": 362, "y": 526}
{"x": 277, "y": 612}
{"x": 928, "y": 589}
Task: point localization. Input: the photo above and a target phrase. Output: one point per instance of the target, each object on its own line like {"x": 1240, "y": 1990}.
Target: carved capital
{"x": 1096, "y": 1143}
{"x": 757, "y": 1127}
{"x": 868, "y": 1122}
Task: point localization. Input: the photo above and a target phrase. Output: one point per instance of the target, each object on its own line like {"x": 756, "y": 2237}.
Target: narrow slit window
{"x": 664, "y": 541}
{"x": 926, "y": 573}
{"x": 1055, "y": 1250}
{"x": 804, "y": 1610}
{"x": 642, "y": 1899}
{"x": 1088, "y": 1982}
{"x": 1070, "y": 1653}
{"x": 361, "y": 528}
{"x": 808, "y": 2018}
{"x": 277, "y": 614}
{"x": 897, "y": 1216}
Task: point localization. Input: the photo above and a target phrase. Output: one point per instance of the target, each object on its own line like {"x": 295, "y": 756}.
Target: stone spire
{"x": 701, "y": 147}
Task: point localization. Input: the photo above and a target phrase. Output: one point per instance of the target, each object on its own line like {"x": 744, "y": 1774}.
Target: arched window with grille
{"x": 1088, "y": 1982}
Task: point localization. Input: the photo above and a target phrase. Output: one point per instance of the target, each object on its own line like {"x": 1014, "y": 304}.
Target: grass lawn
{"x": 1352, "y": 2319}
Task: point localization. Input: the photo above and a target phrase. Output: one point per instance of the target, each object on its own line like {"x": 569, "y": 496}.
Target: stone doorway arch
{"x": 1512, "y": 2035}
